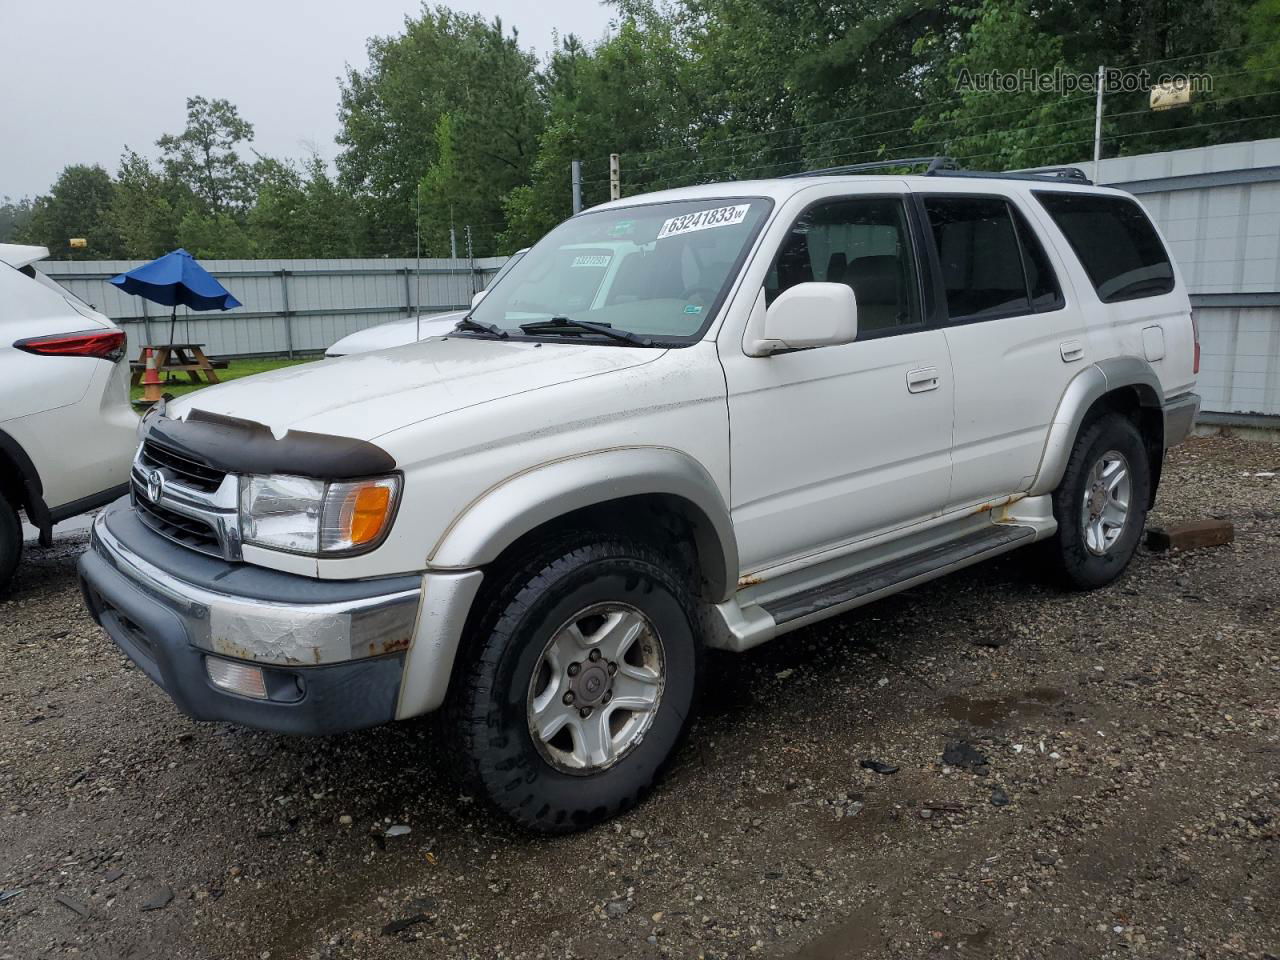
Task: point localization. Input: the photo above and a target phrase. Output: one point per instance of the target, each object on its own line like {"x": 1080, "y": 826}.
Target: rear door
{"x": 1015, "y": 332}
{"x": 1141, "y": 308}
{"x": 841, "y": 443}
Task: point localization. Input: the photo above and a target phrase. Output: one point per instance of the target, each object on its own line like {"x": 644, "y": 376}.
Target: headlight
{"x": 302, "y": 515}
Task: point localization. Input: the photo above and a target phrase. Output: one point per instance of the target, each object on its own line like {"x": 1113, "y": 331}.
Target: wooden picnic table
{"x": 188, "y": 358}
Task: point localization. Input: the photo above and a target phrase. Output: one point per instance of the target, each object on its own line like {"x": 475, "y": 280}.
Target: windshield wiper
{"x": 570, "y": 327}
{"x": 466, "y": 323}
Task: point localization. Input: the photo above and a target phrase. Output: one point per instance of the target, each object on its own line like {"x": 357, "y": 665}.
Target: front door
{"x": 841, "y": 443}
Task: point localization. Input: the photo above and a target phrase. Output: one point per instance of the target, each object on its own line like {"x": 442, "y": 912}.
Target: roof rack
{"x": 947, "y": 167}
{"x": 864, "y": 167}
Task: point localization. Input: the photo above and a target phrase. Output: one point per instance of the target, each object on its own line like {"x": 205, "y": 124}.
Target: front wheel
{"x": 579, "y": 683}
{"x": 10, "y": 543}
{"x": 1101, "y": 504}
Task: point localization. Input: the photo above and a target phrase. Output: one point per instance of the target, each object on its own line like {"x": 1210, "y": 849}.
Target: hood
{"x": 396, "y": 333}
{"x": 367, "y": 395}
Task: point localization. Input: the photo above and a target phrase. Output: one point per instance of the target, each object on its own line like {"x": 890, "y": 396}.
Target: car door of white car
{"x": 837, "y": 444}
{"x": 1015, "y": 335}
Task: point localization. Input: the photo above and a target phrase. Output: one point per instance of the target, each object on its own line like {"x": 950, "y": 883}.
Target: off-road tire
{"x": 527, "y": 600}
{"x": 10, "y": 543}
{"x": 1069, "y": 559}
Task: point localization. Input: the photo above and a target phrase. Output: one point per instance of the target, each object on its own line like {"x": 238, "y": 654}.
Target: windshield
{"x": 506, "y": 268}
{"x": 658, "y": 270}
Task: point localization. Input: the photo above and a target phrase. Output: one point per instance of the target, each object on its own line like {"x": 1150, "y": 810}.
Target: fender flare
{"x": 30, "y": 485}
{"x": 523, "y": 502}
{"x": 1089, "y": 386}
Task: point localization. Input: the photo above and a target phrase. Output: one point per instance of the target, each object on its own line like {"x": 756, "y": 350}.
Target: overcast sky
{"x": 85, "y": 77}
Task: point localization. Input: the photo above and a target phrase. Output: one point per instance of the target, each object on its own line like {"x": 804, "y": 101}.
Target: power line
{"x": 943, "y": 101}
{"x": 1193, "y": 56}
{"x": 726, "y": 160}
{"x": 907, "y": 150}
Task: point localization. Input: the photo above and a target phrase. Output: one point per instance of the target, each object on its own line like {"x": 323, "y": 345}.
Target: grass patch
{"x": 237, "y": 368}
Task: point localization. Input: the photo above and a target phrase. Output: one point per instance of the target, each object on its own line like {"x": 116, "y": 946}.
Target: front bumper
{"x": 332, "y": 652}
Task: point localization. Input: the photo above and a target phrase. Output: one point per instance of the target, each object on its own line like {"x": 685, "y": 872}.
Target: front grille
{"x": 185, "y": 470}
{"x": 178, "y": 527}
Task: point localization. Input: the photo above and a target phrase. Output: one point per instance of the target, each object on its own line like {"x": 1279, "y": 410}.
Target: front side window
{"x": 656, "y": 270}
{"x": 1116, "y": 244}
{"x": 862, "y": 242}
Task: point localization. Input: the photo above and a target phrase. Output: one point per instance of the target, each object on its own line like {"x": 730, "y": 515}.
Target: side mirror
{"x": 812, "y": 315}
{"x": 475, "y": 300}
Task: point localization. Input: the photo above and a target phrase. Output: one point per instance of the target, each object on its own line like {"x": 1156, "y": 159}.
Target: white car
{"x": 67, "y": 432}
{"x": 699, "y": 418}
{"x": 397, "y": 333}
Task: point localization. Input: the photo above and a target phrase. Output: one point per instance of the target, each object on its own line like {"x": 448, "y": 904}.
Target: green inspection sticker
{"x": 692, "y": 308}
{"x": 622, "y": 228}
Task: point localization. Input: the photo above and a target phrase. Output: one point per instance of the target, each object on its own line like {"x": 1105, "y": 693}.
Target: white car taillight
{"x": 101, "y": 344}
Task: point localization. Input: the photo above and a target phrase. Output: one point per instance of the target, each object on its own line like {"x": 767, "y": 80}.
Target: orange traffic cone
{"x": 150, "y": 380}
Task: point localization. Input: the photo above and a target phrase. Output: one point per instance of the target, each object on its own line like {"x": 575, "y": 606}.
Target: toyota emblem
{"x": 155, "y": 485}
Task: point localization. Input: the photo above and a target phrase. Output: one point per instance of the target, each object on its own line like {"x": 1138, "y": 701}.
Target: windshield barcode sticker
{"x": 592, "y": 260}
{"x": 704, "y": 220}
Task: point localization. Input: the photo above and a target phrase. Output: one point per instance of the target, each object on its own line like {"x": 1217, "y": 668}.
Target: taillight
{"x": 102, "y": 344}
{"x": 1195, "y": 336}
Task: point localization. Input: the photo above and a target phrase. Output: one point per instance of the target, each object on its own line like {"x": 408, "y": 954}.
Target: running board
{"x": 752, "y": 624}
{"x": 933, "y": 561}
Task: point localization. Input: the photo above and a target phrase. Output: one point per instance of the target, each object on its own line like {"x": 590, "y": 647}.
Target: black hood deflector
{"x": 245, "y": 446}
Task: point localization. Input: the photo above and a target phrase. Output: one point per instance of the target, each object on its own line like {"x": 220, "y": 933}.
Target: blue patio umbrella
{"x": 176, "y": 278}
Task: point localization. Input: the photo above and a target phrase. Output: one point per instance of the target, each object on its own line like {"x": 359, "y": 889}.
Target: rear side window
{"x": 992, "y": 263}
{"x": 1115, "y": 242}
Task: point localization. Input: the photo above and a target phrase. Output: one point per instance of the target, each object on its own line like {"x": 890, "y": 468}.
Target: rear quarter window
{"x": 1115, "y": 243}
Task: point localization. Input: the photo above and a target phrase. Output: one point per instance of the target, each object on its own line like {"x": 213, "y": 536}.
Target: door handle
{"x": 921, "y": 379}
{"x": 1072, "y": 350}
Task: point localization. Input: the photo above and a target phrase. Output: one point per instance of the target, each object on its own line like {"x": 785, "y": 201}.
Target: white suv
{"x": 67, "y": 432}
{"x": 698, "y": 418}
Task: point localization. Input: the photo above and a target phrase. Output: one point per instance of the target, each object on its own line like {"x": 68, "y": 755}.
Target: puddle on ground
{"x": 996, "y": 712}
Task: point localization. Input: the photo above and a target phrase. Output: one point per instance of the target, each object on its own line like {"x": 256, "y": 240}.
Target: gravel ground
{"x": 1111, "y": 788}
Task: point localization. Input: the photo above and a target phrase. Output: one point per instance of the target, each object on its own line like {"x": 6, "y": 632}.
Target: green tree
{"x": 205, "y": 159}
{"x": 14, "y": 215}
{"x": 1006, "y": 130}
{"x": 146, "y": 209}
{"x": 630, "y": 94}
{"x": 77, "y": 205}
{"x": 213, "y": 236}
{"x": 302, "y": 213}
{"x": 443, "y": 63}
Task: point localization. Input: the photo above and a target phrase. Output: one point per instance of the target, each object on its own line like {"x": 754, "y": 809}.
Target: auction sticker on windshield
{"x": 704, "y": 220}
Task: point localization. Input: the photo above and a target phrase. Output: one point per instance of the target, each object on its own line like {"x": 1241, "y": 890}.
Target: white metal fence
{"x": 289, "y": 306}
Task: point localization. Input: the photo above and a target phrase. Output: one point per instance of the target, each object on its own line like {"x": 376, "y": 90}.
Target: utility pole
{"x": 471, "y": 259}
{"x": 1097, "y": 124}
{"x": 417, "y": 267}
{"x": 453, "y": 237}
{"x": 615, "y": 176}
{"x": 575, "y": 178}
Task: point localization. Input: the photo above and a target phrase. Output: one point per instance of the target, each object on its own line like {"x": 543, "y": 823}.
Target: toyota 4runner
{"x": 699, "y": 418}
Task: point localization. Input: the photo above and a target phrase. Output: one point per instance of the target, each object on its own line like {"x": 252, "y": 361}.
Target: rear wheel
{"x": 10, "y": 543}
{"x": 1101, "y": 504}
{"x": 580, "y": 683}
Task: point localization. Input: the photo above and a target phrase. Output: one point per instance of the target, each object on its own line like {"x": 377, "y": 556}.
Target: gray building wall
{"x": 1219, "y": 209}
{"x": 288, "y": 305}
